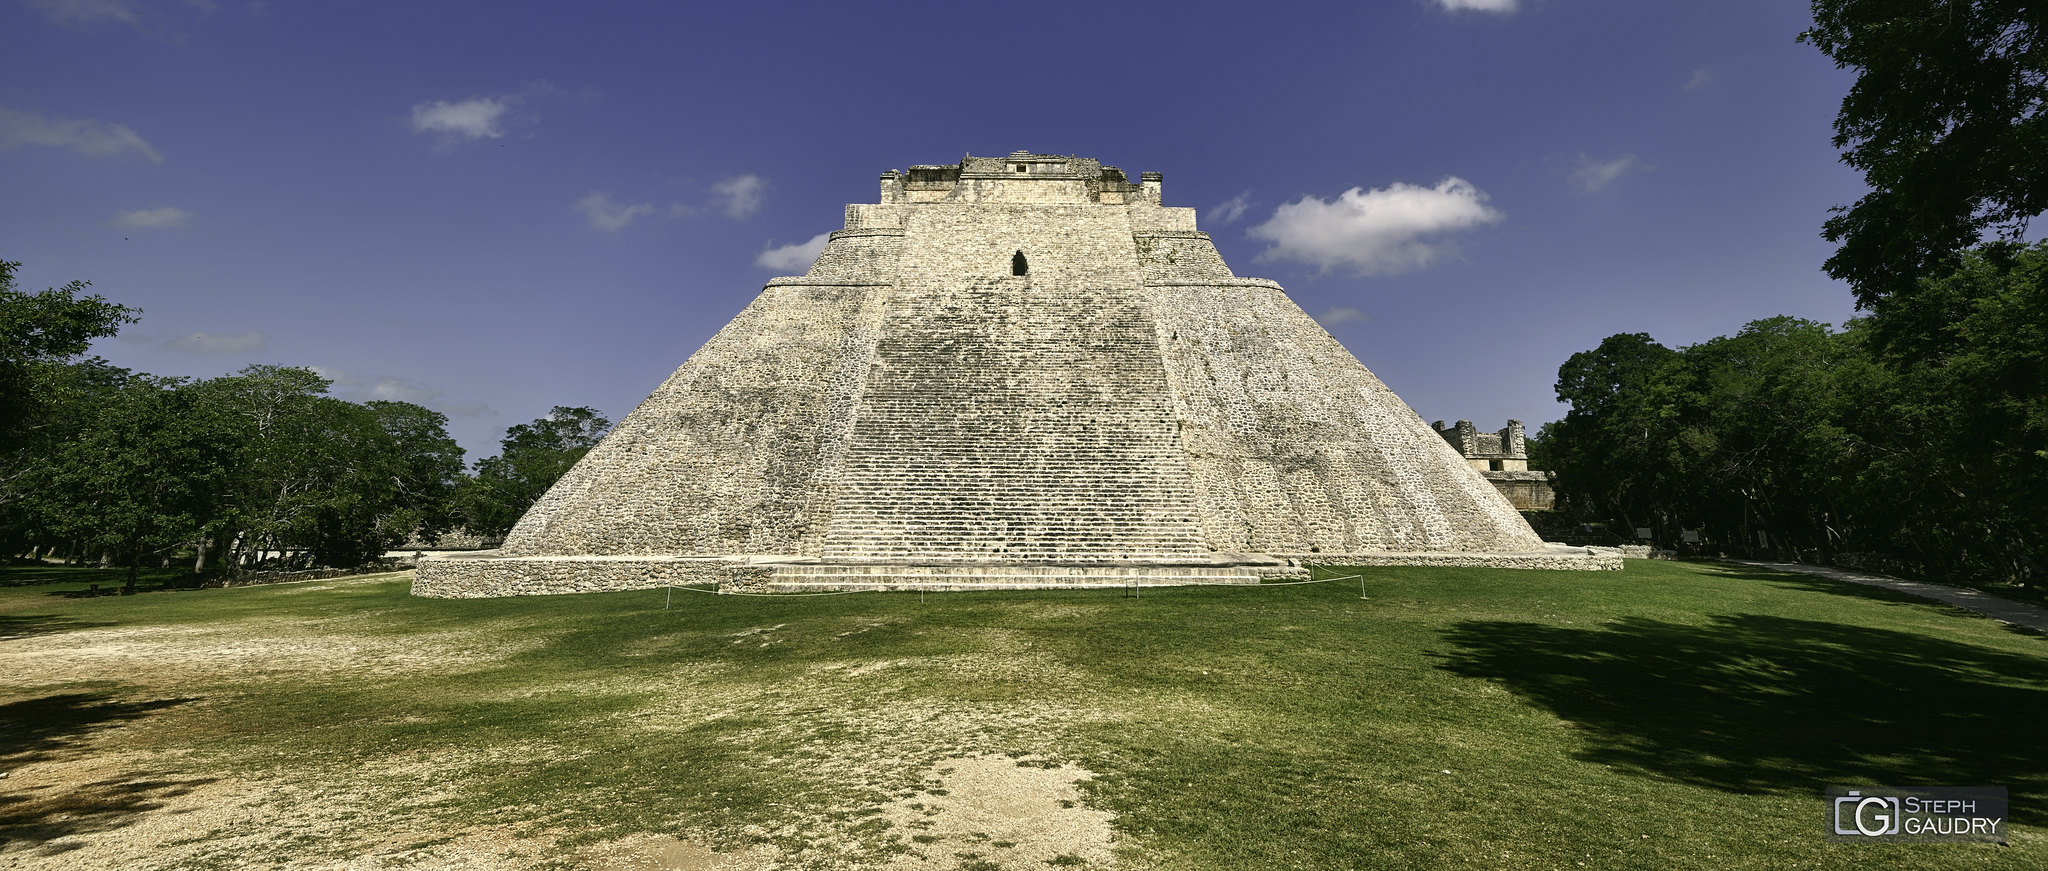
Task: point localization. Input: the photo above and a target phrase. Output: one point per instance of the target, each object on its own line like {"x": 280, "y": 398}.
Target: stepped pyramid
{"x": 1016, "y": 371}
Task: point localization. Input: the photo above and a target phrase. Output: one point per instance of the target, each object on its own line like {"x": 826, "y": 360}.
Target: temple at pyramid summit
{"x": 1010, "y": 372}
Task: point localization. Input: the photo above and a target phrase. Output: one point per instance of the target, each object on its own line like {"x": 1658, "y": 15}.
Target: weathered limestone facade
{"x": 1010, "y": 372}
{"x": 1502, "y": 458}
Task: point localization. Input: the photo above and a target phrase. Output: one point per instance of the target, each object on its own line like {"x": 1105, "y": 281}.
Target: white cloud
{"x": 741, "y": 196}
{"x": 467, "y": 408}
{"x": 1342, "y": 314}
{"x": 1591, "y": 176}
{"x": 1390, "y": 229}
{"x": 160, "y": 218}
{"x": 218, "y": 343}
{"x": 795, "y": 257}
{"x": 474, "y": 118}
{"x": 1228, "y": 211}
{"x": 1701, "y": 77}
{"x": 87, "y": 11}
{"x": 1477, "y": 5}
{"x": 97, "y": 138}
{"x": 608, "y": 214}
{"x": 359, "y": 387}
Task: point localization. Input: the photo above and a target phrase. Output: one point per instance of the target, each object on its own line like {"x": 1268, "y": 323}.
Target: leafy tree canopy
{"x": 40, "y": 331}
{"x": 1946, "y": 121}
{"x": 531, "y": 458}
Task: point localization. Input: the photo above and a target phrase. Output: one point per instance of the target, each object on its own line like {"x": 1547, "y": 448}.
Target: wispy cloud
{"x": 1701, "y": 77}
{"x": 363, "y": 387}
{"x": 1591, "y": 176}
{"x": 89, "y": 11}
{"x": 96, "y": 138}
{"x": 455, "y": 122}
{"x": 1228, "y": 211}
{"x": 1391, "y": 229}
{"x": 741, "y": 196}
{"x": 466, "y": 408}
{"x": 367, "y": 387}
{"x": 795, "y": 257}
{"x": 217, "y": 343}
{"x": 1342, "y": 314}
{"x": 1502, "y": 6}
{"x": 160, "y": 218}
{"x": 607, "y": 214}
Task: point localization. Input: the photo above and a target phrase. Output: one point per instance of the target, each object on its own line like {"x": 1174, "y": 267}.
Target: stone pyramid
{"x": 1016, "y": 371}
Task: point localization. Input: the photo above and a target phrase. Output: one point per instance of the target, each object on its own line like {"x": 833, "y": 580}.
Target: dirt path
{"x": 2007, "y": 611}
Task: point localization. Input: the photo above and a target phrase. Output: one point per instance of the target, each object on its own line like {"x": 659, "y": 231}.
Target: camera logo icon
{"x": 1869, "y": 815}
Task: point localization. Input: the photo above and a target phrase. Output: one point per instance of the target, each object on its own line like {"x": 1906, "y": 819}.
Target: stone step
{"x": 1016, "y": 419}
{"x": 828, "y": 577}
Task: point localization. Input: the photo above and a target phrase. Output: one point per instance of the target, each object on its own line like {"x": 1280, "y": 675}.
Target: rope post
{"x": 671, "y": 594}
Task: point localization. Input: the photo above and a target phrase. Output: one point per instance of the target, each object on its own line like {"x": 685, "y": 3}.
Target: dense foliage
{"x": 261, "y": 467}
{"x": 530, "y": 459}
{"x": 1946, "y": 122}
{"x": 1791, "y": 439}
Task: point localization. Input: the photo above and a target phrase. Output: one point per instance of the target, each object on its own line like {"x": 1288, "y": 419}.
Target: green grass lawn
{"x": 1667, "y": 716}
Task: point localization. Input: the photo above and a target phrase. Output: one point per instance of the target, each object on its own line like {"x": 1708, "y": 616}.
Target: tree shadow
{"x": 32, "y": 730}
{"x": 1751, "y": 704}
{"x": 14, "y": 626}
{"x": 40, "y": 732}
{"x": 32, "y": 820}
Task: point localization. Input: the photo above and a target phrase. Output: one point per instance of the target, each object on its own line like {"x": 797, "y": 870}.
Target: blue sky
{"x": 494, "y": 208}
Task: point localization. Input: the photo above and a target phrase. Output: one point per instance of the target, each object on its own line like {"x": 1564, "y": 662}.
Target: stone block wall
{"x": 737, "y": 452}
{"x": 1015, "y": 417}
{"x": 1296, "y": 447}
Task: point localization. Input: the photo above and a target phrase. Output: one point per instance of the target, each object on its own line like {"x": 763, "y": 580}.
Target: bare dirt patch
{"x": 136, "y": 760}
{"x": 994, "y": 812}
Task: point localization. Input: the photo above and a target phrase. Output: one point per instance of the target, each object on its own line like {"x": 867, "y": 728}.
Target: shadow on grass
{"x": 39, "y": 809}
{"x": 32, "y": 730}
{"x": 13, "y": 626}
{"x": 108, "y": 580}
{"x": 1752, "y": 704}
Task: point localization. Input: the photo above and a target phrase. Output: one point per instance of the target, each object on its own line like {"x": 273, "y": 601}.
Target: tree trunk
{"x": 199, "y": 561}
{"x": 134, "y": 566}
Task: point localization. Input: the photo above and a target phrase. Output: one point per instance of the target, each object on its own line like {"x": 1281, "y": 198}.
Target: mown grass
{"x": 1667, "y": 716}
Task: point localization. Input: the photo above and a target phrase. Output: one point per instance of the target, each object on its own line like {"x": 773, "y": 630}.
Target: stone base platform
{"x": 489, "y": 573}
{"x": 1553, "y": 556}
{"x": 817, "y": 577}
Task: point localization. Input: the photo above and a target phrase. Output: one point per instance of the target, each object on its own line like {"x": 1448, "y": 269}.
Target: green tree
{"x": 145, "y": 478}
{"x": 531, "y": 458}
{"x": 1965, "y": 431}
{"x": 1767, "y": 451}
{"x": 1946, "y": 122}
{"x": 40, "y": 334}
{"x": 1612, "y": 451}
{"x": 327, "y": 481}
{"x": 430, "y": 470}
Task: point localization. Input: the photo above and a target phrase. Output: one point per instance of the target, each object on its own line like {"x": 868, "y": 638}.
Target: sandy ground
{"x": 81, "y": 799}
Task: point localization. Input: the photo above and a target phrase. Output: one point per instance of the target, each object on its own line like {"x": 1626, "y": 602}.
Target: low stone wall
{"x": 1556, "y": 557}
{"x": 257, "y": 579}
{"x": 492, "y": 573}
{"x": 487, "y": 573}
